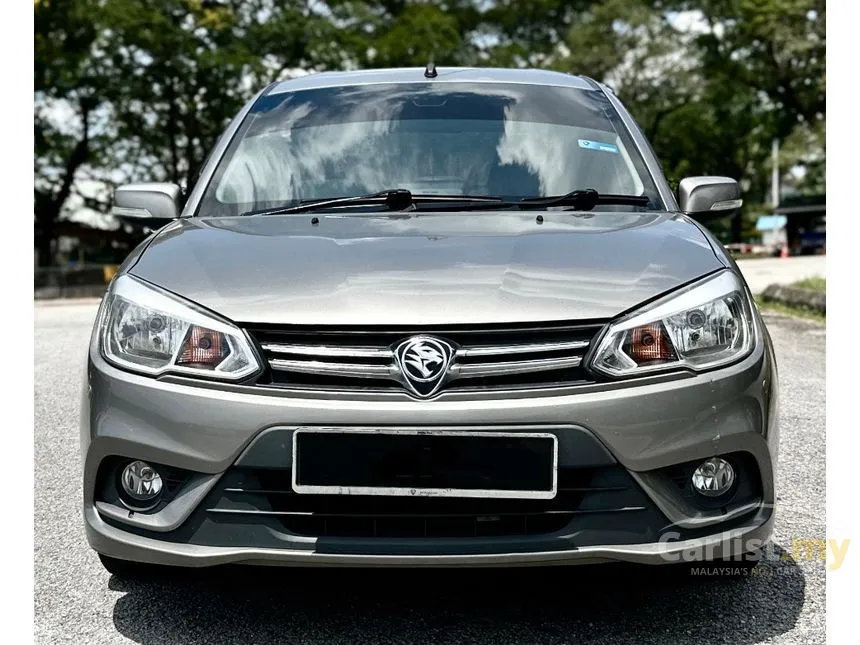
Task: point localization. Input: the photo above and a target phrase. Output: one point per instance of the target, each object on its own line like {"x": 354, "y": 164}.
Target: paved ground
{"x": 76, "y": 601}
{"x": 765, "y": 271}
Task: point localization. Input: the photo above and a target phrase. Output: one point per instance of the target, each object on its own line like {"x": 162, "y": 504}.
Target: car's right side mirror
{"x": 709, "y": 197}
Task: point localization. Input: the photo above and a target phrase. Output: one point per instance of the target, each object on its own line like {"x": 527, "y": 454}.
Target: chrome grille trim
{"x": 521, "y": 349}
{"x": 351, "y": 370}
{"x": 391, "y": 371}
{"x": 509, "y": 367}
{"x": 334, "y": 352}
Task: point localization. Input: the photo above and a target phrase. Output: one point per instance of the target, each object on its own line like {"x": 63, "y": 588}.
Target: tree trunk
{"x": 49, "y": 205}
{"x": 46, "y": 212}
{"x": 43, "y": 245}
{"x": 737, "y": 226}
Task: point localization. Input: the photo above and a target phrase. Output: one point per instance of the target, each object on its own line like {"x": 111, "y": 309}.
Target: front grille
{"x": 486, "y": 358}
{"x": 604, "y": 497}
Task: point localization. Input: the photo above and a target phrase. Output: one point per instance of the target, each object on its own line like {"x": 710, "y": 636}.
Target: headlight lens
{"x": 146, "y": 330}
{"x": 701, "y": 327}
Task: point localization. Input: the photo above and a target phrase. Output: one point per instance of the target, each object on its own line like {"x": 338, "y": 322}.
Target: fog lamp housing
{"x": 141, "y": 485}
{"x": 713, "y": 477}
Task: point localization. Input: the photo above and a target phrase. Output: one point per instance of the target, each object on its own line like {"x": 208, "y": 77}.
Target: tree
{"x": 703, "y": 93}
{"x": 69, "y": 85}
{"x": 769, "y": 56}
{"x": 529, "y": 33}
{"x": 193, "y": 63}
{"x": 142, "y": 89}
{"x": 776, "y": 47}
{"x": 400, "y": 33}
{"x": 634, "y": 49}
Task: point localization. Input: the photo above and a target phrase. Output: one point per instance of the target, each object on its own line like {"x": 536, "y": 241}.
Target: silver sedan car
{"x": 429, "y": 317}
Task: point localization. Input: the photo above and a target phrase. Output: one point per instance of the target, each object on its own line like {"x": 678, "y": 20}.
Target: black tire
{"x": 129, "y": 570}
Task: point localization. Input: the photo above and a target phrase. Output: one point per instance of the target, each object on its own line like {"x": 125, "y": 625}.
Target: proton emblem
{"x": 423, "y": 363}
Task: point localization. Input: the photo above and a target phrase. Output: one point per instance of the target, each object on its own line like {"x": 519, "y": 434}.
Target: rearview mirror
{"x": 149, "y": 204}
{"x": 709, "y": 196}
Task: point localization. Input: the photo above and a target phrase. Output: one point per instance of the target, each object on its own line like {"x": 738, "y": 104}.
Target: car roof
{"x": 444, "y": 75}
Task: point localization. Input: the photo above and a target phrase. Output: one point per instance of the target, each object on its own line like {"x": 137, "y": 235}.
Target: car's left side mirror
{"x": 709, "y": 197}
{"x": 148, "y": 204}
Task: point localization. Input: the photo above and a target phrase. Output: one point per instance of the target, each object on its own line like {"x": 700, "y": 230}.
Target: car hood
{"x": 429, "y": 269}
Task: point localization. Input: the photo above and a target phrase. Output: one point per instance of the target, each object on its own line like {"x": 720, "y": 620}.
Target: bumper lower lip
{"x": 111, "y": 541}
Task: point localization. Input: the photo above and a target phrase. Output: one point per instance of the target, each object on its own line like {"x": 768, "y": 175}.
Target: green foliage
{"x": 772, "y": 46}
{"x": 141, "y": 89}
{"x": 817, "y": 283}
{"x": 190, "y": 65}
{"x": 804, "y": 148}
{"x": 767, "y": 306}
{"x": 70, "y": 82}
{"x": 712, "y": 98}
{"x": 398, "y": 34}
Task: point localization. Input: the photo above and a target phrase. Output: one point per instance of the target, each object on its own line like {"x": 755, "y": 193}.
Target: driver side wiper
{"x": 396, "y": 200}
{"x": 584, "y": 200}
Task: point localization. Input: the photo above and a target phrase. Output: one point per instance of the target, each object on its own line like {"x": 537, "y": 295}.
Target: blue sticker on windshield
{"x": 598, "y": 145}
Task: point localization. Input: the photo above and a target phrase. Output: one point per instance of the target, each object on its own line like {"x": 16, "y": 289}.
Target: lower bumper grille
{"x": 592, "y": 497}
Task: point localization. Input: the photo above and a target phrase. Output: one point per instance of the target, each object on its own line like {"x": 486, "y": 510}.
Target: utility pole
{"x": 774, "y": 193}
{"x": 774, "y": 186}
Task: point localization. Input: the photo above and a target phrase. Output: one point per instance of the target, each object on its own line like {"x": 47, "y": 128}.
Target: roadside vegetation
{"x": 769, "y": 306}
{"x": 815, "y": 284}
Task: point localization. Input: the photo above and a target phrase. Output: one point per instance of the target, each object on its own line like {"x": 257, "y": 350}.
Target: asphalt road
{"x": 76, "y": 601}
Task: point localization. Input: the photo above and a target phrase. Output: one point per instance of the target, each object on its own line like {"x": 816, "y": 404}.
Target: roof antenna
{"x": 430, "y": 70}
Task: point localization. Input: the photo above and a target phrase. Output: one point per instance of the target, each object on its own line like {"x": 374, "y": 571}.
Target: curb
{"x": 796, "y": 297}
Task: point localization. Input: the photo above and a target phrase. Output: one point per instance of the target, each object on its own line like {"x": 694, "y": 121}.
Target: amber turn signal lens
{"x": 203, "y": 348}
{"x": 649, "y": 343}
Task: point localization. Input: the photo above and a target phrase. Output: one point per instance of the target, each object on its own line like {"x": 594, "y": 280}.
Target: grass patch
{"x": 813, "y": 284}
{"x": 766, "y": 306}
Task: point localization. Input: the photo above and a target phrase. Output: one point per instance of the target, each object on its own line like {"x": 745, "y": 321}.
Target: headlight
{"x": 700, "y": 327}
{"x": 146, "y": 330}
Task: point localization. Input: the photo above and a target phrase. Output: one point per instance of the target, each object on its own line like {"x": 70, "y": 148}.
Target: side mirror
{"x": 709, "y": 197}
{"x": 150, "y": 204}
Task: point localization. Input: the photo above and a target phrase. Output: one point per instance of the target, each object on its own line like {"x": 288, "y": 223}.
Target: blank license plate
{"x": 439, "y": 463}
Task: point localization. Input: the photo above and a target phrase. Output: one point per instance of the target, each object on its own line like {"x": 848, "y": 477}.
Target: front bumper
{"x": 642, "y": 428}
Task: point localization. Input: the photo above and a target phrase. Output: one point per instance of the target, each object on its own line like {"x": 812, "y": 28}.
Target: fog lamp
{"x": 141, "y": 482}
{"x": 713, "y": 477}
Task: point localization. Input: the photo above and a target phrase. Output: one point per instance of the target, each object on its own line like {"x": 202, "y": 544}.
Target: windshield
{"x": 503, "y": 140}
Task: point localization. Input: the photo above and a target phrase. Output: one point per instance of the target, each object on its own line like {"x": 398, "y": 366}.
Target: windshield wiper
{"x": 584, "y": 200}
{"x": 397, "y": 199}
